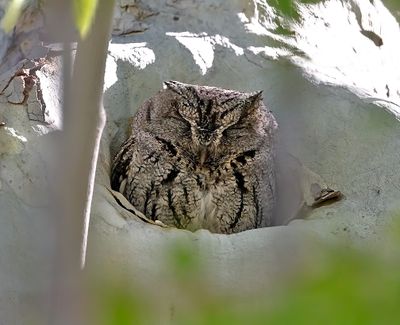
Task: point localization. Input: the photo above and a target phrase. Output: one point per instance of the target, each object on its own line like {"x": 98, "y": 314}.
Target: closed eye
{"x": 233, "y": 132}
{"x": 234, "y": 127}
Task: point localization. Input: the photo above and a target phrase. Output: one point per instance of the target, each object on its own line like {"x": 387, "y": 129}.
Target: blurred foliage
{"x": 13, "y": 11}
{"x": 350, "y": 289}
{"x": 288, "y": 14}
{"x": 118, "y": 305}
{"x": 183, "y": 260}
{"x": 286, "y": 8}
{"x": 289, "y": 8}
{"x": 340, "y": 286}
{"x": 84, "y": 12}
{"x": 393, "y": 6}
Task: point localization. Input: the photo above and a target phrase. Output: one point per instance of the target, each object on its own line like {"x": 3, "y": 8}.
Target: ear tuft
{"x": 176, "y": 86}
{"x": 250, "y": 103}
{"x": 255, "y": 96}
{"x": 170, "y": 83}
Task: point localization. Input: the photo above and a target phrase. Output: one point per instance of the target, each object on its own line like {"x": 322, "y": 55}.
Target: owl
{"x": 200, "y": 157}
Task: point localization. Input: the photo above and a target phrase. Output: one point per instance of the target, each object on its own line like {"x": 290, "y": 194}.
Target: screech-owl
{"x": 200, "y": 157}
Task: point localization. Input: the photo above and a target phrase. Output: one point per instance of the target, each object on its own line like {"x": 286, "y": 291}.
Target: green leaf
{"x": 84, "y": 11}
{"x": 12, "y": 14}
{"x": 287, "y": 8}
{"x": 393, "y": 6}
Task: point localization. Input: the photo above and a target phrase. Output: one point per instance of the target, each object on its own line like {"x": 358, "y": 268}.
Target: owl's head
{"x": 211, "y": 111}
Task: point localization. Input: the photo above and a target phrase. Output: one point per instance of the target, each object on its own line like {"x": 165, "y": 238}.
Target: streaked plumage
{"x": 200, "y": 157}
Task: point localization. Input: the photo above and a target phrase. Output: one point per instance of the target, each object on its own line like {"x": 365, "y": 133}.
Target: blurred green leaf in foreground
{"x": 340, "y": 285}
{"x": 13, "y": 12}
{"x": 84, "y": 12}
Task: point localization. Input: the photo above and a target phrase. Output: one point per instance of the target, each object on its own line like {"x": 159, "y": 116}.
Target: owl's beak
{"x": 203, "y": 154}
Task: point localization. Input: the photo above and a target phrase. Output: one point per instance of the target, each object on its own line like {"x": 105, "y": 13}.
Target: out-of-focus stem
{"x": 77, "y": 152}
{"x": 84, "y": 120}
